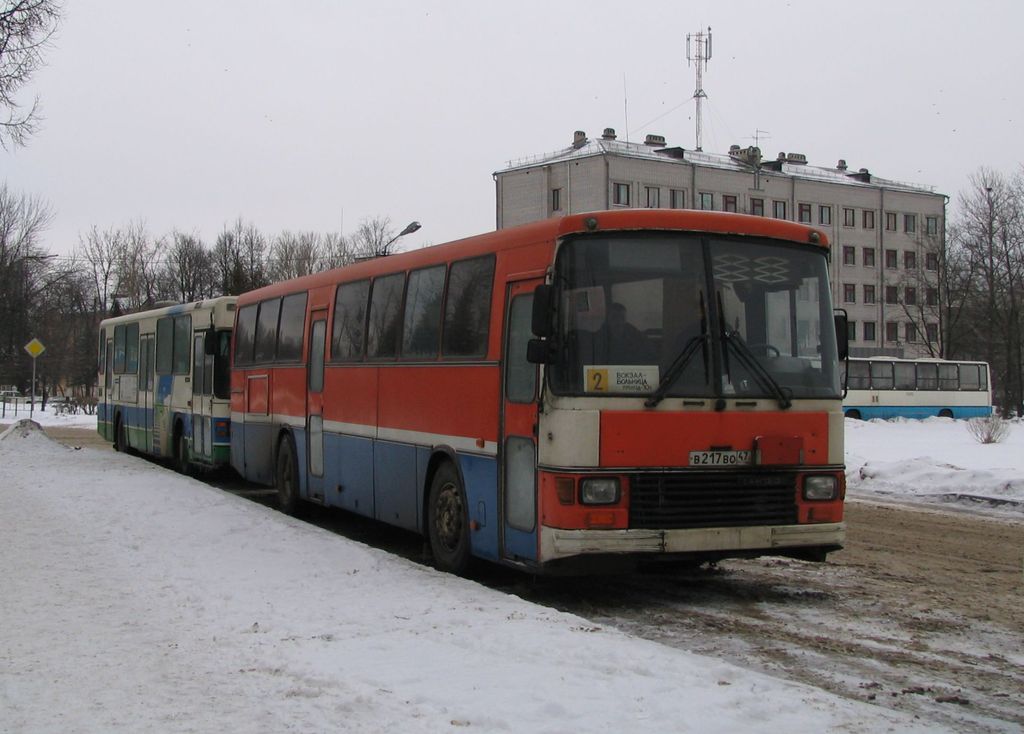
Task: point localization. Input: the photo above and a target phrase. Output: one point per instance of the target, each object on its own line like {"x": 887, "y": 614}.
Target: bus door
{"x": 518, "y": 450}
{"x": 146, "y": 368}
{"x": 108, "y": 391}
{"x": 315, "y": 406}
{"x": 202, "y": 399}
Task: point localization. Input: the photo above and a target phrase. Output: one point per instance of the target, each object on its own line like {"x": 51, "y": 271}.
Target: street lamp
{"x": 409, "y": 229}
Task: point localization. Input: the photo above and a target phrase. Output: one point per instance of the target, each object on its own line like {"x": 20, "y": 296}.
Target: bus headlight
{"x": 820, "y": 487}
{"x": 599, "y": 491}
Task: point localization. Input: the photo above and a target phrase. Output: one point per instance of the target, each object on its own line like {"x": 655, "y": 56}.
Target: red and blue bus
{"x": 569, "y": 394}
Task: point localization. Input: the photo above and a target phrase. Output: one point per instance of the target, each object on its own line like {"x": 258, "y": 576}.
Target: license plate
{"x": 719, "y": 458}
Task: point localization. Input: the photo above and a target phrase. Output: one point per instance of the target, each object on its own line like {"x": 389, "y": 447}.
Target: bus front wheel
{"x": 287, "y": 478}
{"x": 854, "y": 414}
{"x": 448, "y": 521}
{"x": 181, "y": 462}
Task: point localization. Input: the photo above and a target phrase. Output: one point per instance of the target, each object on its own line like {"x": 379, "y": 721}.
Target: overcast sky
{"x": 314, "y": 115}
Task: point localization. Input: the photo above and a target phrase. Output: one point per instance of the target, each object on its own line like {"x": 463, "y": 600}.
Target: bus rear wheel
{"x": 855, "y": 414}
{"x": 945, "y": 413}
{"x": 448, "y": 521}
{"x": 287, "y": 478}
{"x": 119, "y": 442}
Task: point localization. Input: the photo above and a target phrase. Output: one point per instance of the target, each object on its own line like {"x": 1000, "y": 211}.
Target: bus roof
{"x": 555, "y": 228}
{"x": 174, "y": 309}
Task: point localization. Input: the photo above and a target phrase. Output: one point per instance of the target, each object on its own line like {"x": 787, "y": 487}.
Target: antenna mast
{"x": 699, "y": 54}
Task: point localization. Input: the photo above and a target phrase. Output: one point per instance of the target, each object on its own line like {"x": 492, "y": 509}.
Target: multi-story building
{"x": 886, "y": 235}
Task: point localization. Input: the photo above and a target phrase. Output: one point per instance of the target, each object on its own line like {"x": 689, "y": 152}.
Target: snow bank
{"x": 935, "y": 460}
{"x": 136, "y": 599}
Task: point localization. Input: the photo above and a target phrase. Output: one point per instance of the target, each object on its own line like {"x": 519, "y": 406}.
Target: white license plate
{"x": 719, "y": 458}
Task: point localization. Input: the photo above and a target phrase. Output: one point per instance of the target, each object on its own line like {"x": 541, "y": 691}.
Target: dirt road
{"x": 923, "y": 611}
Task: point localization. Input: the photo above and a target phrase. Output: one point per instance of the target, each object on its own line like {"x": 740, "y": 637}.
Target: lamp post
{"x": 409, "y": 229}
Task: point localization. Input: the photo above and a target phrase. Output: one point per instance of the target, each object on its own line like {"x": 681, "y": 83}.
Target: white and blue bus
{"x": 885, "y": 387}
{"x": 164, "y": 382}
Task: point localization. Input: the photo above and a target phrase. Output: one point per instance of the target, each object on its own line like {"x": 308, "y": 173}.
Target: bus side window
{"x": 102, "y": 352}
{"x": 927, "y": 377}
{"x": 293, "y": 326}
{"x": 906, "y": 377}
{"x": 385, "y": 323}
{"x": 164, "y": 345}
{"x": 119, "y": 354}
{"x": 969, "y": 379}
{"x": 859, "y": 375}
{"x": 266, "y": 331}
{"x": 182, "y": 344}
{"x": 948, "y": 379}
{"x": 245, "y": 336}
{"x": 881, "y": 376}
{"x": 421, "y": 333}
{"x": 349, "y": 334}
{"x": 467, "y": 308}
{"x": 131, "y": 349}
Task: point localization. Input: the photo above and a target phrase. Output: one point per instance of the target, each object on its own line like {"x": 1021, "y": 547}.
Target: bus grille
{"x": 712, "y": 499}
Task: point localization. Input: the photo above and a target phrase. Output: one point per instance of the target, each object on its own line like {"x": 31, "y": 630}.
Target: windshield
{"x": 692, "y": 315}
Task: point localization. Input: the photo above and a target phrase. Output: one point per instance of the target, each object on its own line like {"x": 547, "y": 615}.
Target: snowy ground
{"x": 134, "y": 599}
{"x": 138, "y": 600}
{"x": 11, "y": 413}
{"x": 936, "y": 461}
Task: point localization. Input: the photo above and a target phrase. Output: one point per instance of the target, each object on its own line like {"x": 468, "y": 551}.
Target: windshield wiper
{"x": 676, "y": 368}
{"x": 749, "y": 360}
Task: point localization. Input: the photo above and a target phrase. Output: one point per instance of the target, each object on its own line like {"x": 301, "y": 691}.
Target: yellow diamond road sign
{"x": 35, "y": 348}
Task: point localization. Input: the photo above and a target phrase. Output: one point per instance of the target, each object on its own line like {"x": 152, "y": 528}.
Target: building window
{"x": 909, "y": 223}
{"x": 851, "y": 330}
{"x": 556, "y": 200}
{"x": 910, "y": 260}
{"x": 728, "y": 203}
{"x": 890, "y": 221}
{"x": 849, "y": 217}
{"x": 892, "y": 294}
{"x": 869, "y": 257}
{"x": 892, "y": 331}
{"x": 891, "y": 259}
{"x": 869, "y": 294}
{"x": 804, "y": 213}
{"x": 869, "y": 331}
{"x": 757, "y": 207}
{"x": 868, "y": 219}
{"x": 931, "y": 296}
{"x": 825, "y": 215}
{"x": 779, "y": 209}
{"x": 849, "y": 293}
{"x": 620, "y": 194}
{"x": 910, "y": 296}
{"x": 707, "y": 201}
{"x": 677, "y": 199}
{"x": 931, "y": 225}
{"x": 932, "y": 333}
{"x": 653, "y": 197}
{"x": 849, "y": 255}
{"x": 910, "y": 332}
{"x": 931, "y": 261}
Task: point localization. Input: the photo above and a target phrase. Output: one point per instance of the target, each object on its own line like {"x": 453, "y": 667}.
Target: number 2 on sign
{"x": 597, "y": 380}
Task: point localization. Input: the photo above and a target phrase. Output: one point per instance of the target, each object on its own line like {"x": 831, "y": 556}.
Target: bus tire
{"x": 855, "y": 414}
{"x": 286, "y": 477}
{"x": 945, "y": 413}
{"x": 181, "y": 463}
{"x": 448, "y": 521}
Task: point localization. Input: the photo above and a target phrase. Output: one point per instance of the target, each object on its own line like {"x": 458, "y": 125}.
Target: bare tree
{"x": 100, "y": 251}
{"x": 336, "y": 251}
{"x": 374, "y": 238}
{"x": 25, "y": 28}
{"x": 187, "y": 272}
{"x": 294, "y": 255}
{"x": 239, "y": 259}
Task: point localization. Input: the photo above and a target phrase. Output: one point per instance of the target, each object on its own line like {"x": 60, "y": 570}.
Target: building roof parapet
{"x": 610, "y": 146}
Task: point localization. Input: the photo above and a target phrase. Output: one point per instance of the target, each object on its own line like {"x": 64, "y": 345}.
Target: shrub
{"x": 990, "y": 429}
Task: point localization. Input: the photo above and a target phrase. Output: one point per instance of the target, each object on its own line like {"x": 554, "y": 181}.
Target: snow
{"x": 935, "y": 460}
{"x": 11, "y": 412}
{"x": 135, "y": 599}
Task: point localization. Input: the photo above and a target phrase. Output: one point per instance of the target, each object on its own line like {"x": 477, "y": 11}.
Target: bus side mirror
{"x": 541, "y": 322}
{"x": 540, "y": 351}
{"x": 210, "y": 342}
{"x": 842, "y": 334}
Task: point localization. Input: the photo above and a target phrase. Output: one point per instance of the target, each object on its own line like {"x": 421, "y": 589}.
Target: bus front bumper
{"x": 743, "y": 541}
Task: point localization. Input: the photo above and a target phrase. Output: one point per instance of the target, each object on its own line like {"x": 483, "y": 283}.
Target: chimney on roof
{"x": 608, "y": 134}
{"x": 782, "y": 156}
{"x": 842, "y": 164}
{"x": 798, "y": 158}
{"x": 655, "y": 141}
{"x": 579, "y": 139}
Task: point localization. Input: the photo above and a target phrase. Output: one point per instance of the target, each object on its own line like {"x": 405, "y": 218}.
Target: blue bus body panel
{"x": 868, "y": 412}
